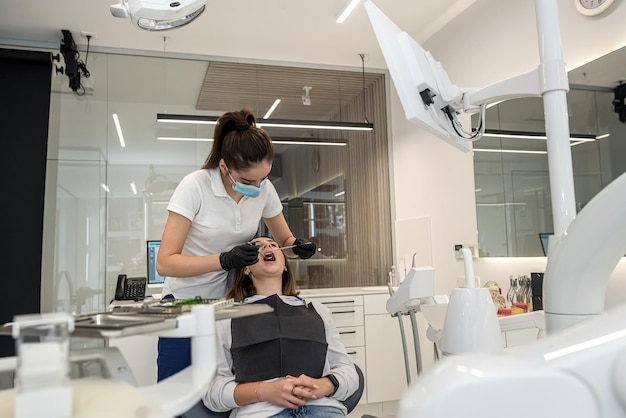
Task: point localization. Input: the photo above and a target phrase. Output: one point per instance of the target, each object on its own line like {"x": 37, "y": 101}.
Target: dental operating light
{"x": 159, "y": 15}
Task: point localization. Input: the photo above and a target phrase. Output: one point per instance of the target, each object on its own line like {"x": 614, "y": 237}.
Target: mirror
{"x": 513, "y": 203}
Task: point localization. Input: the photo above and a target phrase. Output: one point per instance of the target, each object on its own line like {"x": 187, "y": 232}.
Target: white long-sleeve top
{"x": 221, "y": 394}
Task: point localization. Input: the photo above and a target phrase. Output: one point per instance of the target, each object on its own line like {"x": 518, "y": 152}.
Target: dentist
{"x": 213, "y": 214}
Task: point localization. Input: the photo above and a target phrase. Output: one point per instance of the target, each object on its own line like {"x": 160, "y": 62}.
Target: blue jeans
{"x": 174, "y": 353}
{"x": 310, "y": 411}
{"x": 174, "y": 356}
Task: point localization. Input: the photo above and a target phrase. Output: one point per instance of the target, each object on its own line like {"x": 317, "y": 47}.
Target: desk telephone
{"x": 130, "y": 288}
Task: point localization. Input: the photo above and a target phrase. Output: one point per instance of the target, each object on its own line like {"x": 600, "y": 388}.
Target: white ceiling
{"x": 296, "y": 31}
{"x": 299, "y": 32}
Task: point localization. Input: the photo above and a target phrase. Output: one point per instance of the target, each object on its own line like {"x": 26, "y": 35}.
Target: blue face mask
{"x": 247, "y": 190}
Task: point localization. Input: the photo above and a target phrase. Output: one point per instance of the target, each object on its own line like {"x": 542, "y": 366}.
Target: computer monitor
{"x": 544, "y": 237}
{"x": 151, "y": 255}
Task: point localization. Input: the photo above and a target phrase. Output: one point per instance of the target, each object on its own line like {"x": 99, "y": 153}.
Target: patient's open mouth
{"x": 269, "y": 256}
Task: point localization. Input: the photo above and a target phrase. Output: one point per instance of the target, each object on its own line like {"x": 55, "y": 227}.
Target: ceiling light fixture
{"x": 494, "y": 133}
{"x": 333, "y": 144}
{"x": 271, "y": 109}
{"x": 118, "y": 128}
{"x": 509, "y": 151}
{"x": 502, "y": 204}
{"x": 133, "y": 187}
{"x": 176, "y": 138}
{"x": 330, "y": 144}
{"x": 343, "y": 15}
{"x": 159, "y": 16}
{"x": 271, "y": 123}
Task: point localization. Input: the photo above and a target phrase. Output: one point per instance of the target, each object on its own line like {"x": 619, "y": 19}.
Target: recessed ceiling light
{"x": 347, "y": 10}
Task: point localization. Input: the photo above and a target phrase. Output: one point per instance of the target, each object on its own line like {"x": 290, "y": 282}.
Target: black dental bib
{"x": 289, "y": 341}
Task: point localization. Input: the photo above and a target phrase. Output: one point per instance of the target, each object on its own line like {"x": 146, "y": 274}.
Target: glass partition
{"x": 111, "y": 191}
{"x": 513, "y": 203}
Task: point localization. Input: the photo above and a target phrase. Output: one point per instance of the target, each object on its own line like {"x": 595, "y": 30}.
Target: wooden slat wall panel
{"x": 369, "y": 233}
{"x": 229, "y": 86}
{"x": 368, "y": 207}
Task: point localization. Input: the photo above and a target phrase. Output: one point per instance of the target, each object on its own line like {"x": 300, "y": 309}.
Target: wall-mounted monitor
{"x": 151, "y": 255}
{"x": 420, "y": 81}
{"x": 428, "y": 96}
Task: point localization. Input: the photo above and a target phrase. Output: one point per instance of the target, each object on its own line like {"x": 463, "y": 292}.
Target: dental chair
{"x": 201, "y": 411}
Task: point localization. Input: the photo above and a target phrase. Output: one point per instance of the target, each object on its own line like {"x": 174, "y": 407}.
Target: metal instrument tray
{"x": 108, "y": 325}
{"x": 222, "y": 310}
{"x": 150, "y": 318}
{"x": 110, "y": 321}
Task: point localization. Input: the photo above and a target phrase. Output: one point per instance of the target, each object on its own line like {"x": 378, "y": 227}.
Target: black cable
{"x": 363, "y": 74}
{"x": 82, "y": 66}
{"x": 87, "y": 56}
{"x": 477, "y": 134}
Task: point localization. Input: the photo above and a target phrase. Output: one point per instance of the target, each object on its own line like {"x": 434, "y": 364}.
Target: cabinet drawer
{"x": 333, "y": 301}
{"x": 357, "y": 354}
{"x": 347, "y": 316}
{"x": 352, "y": 336}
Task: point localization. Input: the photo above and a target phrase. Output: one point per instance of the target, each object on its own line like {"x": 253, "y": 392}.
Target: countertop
{"x": 334, "y": 291}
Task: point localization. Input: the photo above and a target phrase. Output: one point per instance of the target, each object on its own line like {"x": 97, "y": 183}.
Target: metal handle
{"x": 338, "y": 301}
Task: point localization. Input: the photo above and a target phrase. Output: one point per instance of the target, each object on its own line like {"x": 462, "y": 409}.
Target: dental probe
{"x": 286, "y": 247}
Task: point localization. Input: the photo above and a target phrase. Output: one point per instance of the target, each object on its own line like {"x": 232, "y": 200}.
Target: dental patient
{"x": 287, "y": 363}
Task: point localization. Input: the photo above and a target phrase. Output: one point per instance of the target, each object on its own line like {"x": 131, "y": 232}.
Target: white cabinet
{"x": 386, "y": 370}
{"x": 372, "y": 337}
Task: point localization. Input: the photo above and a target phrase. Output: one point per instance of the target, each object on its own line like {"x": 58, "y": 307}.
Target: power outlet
{"x": 89, "y": 35}
{"x": 458, "y": 254}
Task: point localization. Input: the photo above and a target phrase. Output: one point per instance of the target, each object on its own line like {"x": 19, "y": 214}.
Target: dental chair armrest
{"x": 178, "y": 393}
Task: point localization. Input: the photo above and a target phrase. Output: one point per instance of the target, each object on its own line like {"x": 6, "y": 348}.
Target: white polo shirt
{"x": 218, "y": 224}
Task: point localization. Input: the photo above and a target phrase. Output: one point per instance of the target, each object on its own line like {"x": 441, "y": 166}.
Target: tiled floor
{"x": 378, "y": 410}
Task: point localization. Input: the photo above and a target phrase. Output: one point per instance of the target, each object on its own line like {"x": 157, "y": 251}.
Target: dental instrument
{"x": 286, "y": 247}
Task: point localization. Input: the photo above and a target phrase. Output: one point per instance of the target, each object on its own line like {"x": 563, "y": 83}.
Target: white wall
{"x": 494, "y": 40}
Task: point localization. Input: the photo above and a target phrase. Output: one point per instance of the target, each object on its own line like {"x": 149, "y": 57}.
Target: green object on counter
{"x": 192, "y": 301}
